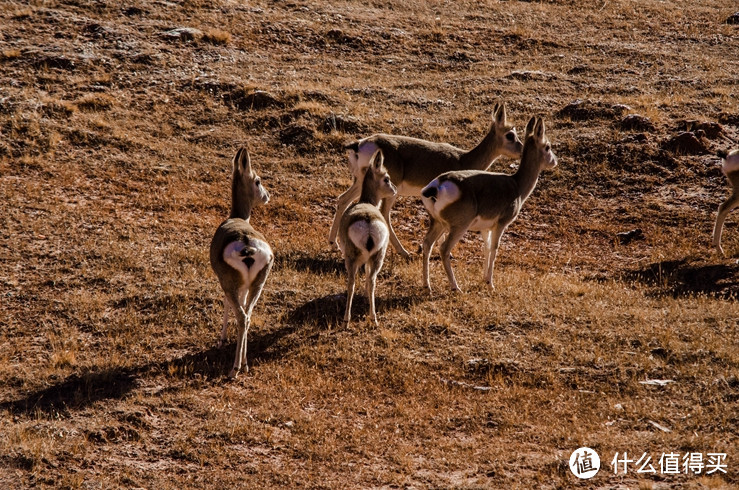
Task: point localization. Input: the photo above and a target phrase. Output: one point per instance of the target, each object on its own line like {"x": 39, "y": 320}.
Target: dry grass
{"x": 217, "y": 36}
{"x": 114, "y": 167}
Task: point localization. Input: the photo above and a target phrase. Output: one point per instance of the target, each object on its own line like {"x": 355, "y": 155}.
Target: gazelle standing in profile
{"x": 412, "y": 163}
{"x": 364, "y": 233}
{"x": 730, "y": 168}
{"x": 482, "y": 201}
{"x": 240, "y": 256}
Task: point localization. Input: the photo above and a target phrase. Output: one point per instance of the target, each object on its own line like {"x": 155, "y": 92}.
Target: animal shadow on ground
{"x": 329, "y": 310}
{"x": 680, "y": 278}
{"x": 83, "y": 389}
{"x": 320, "y": 263}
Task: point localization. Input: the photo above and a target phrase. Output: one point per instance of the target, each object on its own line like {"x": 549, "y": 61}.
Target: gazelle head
{"x": 505, "y": 134}
{"x": 729, "y": 161}
{"x": 536, "y": 141}
{"x": 377, "y": 184}
{"x": 246, "y": 187}
{"x": 248, "y": 182}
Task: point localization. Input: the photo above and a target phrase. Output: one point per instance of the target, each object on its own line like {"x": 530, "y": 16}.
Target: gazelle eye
{"x": 510, "y": 137}
{"x": 258, "y": 182}
{"x": 387, "y": 180}
{"x": 548, "y": 147}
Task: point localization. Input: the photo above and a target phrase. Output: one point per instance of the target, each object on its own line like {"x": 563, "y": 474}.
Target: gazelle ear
{"x": 539, "y": 129}
{"x": 377, "y": 160}
{"x": 496, "y": 108}
{"x": 242, "y": 162}
{"x": 500, "y": 114}
{"x": 530, "y": 126}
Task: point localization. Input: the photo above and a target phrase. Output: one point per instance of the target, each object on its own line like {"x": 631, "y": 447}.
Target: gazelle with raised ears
{"x": 364, "y": 234}
{"x": 240, "y": 255}
{"x": 412, "y": 163}
{"x": 730, "y": 168}
{"x": 482, "y": 201}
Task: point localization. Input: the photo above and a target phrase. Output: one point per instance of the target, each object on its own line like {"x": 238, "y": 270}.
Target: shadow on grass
{"x": 680, "y": 278}
{"x": 320, "y": 263}
{"x": 76, "y": 391}
{"x": 81, "y": 390}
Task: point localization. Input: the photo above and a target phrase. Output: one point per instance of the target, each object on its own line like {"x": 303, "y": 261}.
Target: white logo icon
{"x": 584, "y": 463}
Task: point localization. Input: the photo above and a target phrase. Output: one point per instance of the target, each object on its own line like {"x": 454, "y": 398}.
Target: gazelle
{"x": 240, "y": 256}
{"x": 482, "y": 201}
{"x": 412, "y": 163}
{"x": 730, "y": 168}
{"x": 364, "y": 233}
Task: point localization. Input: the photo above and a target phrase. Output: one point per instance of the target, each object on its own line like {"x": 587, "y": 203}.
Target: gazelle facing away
{"x": 482, "y": 201}
{"x": 240, "y": 256}
{"x": 412, "y": 163}
{"x": 364, "y": 233}
{"x": 730, "y": 167}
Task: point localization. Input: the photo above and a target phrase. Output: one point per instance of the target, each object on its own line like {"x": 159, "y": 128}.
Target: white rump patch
{"x": 258, "y": 250}
{"x": 360, "y": 231}
{"x": 446, "y": 193}
{"x": 731, "y": 163}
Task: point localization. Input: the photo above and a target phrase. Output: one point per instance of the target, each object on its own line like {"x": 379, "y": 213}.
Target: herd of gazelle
{"x": 454, "y": 186}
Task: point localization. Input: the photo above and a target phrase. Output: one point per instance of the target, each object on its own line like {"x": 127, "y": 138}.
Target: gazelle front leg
{"x": 493, "y": 242}
{"x": 435, "y": 231}
{"x": 454, "y": 236}
{"x": 385, "y": 207}
{"x": 351, "y": 195}
{"x": 487, "y": 237}
{"x": 723, "y": 210}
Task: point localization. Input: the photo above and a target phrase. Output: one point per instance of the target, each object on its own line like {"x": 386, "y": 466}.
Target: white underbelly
{"x": 482, "y": 224}
{"x": 405, "y": 189}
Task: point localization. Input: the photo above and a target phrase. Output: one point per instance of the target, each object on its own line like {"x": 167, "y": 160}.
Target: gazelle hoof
{"x": 235, "y": 372}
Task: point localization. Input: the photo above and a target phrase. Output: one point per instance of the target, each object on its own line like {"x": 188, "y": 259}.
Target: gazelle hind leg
{"x": 351, "y": 275}
{"x": 373, "y": 269}
{"x": 436, "y": 229}
{"x": 723, "y": 211}
{"x": 235, "y": 299}
{"x": 227, "y": 307}
{"x": 454, "y": 236}
{"x": 255, "y": 291}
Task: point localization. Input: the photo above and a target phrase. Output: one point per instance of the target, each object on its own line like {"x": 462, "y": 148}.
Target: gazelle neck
{"x": 528, "y": 172}
{"x": 482, "y": 155}
{"x": 240, "y": 202}
{"x": 369, "y": 189}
